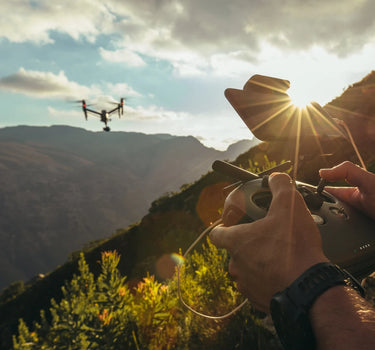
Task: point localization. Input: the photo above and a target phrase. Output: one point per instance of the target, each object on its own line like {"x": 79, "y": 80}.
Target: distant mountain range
{"x": 62, "y": 187}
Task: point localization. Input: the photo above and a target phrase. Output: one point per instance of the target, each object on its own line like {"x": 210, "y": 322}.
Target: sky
{"x": 172, "y": 60}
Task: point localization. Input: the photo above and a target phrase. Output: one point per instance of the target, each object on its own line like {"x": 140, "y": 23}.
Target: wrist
{"x": 290, "y": 309}
{"x": 342, "y": 319}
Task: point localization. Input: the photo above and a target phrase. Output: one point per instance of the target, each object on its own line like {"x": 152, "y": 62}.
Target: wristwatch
{"x": 290, "y": 308}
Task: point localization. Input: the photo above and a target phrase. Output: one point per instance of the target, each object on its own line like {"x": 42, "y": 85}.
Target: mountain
{"x": 62, "y": 187}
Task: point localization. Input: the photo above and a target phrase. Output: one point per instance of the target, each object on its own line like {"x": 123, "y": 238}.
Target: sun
{"x": 300, "y": 98}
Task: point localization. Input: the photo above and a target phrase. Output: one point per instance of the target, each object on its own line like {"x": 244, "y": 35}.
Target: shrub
{"x": 106, "y": 314}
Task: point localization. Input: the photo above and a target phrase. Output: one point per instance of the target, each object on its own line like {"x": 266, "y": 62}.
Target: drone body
{"x": 104, "y": 114}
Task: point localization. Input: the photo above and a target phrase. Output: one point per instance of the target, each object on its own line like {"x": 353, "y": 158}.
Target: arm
{"x": 341, "y": 319}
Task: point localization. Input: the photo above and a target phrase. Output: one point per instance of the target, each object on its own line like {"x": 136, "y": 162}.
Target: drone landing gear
{"x": 107, "y": 128}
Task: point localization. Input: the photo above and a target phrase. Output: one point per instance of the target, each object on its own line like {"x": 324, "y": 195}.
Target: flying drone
{"x": 104, "y": 114}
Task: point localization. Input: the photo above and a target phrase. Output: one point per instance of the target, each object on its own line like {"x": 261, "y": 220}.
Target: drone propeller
{"x": 83, "y": 103}
{"x": 117, "y": 103}
{"x": 120, "y": 106}
{"x": 113, "y": 103}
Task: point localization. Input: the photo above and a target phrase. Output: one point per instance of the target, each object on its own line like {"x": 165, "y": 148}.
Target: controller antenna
{"x": 233, "y": 171}
{"x": 243, "y": 175}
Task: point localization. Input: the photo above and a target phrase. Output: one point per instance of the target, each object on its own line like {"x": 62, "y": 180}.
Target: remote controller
{"x": 348, "y": 236}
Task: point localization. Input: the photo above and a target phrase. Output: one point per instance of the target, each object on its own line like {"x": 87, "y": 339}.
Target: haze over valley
{"x": 63, "y": 187}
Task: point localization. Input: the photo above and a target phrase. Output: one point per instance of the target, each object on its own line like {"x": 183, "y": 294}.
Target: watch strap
{"x": 290, "y": 308}
{"x": 316, "y": 280}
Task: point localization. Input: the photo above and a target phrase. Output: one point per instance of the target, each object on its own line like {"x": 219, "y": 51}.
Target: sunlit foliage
{"x": 106, "y": 314}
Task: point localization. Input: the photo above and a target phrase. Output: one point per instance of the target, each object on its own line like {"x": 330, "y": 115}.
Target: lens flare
{"x": 177, "y": 259}
{"x": 298, "y": 97}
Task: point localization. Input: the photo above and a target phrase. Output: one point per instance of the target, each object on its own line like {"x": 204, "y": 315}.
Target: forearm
{"x": 341, "y": 319}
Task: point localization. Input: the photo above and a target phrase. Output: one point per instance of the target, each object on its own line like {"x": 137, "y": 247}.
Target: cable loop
{"x": 220, "y": 317}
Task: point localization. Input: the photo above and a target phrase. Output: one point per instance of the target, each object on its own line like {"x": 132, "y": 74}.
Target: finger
{"x": 223, "y": 237}
{"x": 341, "y": 193}
{"x": 345, "y": 194}
{"x": 350, "y": 172}
{"x": 278, "y": 182}
{"x": 283, "y": 192}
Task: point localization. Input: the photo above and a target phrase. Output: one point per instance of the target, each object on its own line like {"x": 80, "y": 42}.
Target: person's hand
{"x": 269, "y": 254}
{"x": 361, "y": 195}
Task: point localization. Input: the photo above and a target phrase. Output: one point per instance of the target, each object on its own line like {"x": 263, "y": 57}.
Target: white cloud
{"x": 122, "y": 56}
{"x": 24, "y": 20}
{"x": 49, "y": 85}
{"x": 45, "y": 85}
{"x": 122, "y": 90}
{"x": 63, "y": 114}
{"x": 193, "y": 35}
{"x": 154, "y": 113}
{"x": 194, "y": 32}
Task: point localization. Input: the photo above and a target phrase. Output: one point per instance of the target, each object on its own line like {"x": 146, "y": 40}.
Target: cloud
{"x": 122, "y": 56}
{"x": 193, "y": 32}
{"x": 64, "y": 114}
{"x": 122, "y": 90}
{"x": 34, "y": 21}
{"x": 195, "y": 36}
{"x": 49, "y": 85}
{"x": 154, "y": 113}
{"x": 45, "y": 85}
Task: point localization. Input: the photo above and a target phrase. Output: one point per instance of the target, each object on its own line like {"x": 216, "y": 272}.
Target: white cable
{"x": 208, "y": 229}
{"x": 351, "y": 139}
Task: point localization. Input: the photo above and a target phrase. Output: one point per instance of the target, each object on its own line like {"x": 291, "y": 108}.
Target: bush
{"x": 106, "y": 314}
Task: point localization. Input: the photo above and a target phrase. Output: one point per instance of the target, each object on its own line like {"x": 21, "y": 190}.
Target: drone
{"x": 104, "y": 114}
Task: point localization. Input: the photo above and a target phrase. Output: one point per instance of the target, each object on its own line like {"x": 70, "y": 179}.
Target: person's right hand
{"x": 361, "y": 195}
{"x": 267, "y": 255}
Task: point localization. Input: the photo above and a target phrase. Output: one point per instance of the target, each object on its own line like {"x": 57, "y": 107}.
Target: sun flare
{"x": 299, "y": 97}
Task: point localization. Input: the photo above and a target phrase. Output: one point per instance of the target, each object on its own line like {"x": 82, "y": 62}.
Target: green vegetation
{"x": 12, "y": 291}
{"x": 106, "y": 313}
{"x": 257, "y": 167}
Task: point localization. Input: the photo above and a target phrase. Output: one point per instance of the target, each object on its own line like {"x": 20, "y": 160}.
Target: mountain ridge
{"x": 62, "y": 187}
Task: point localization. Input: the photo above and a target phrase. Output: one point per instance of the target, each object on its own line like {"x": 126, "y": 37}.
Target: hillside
{"x": 356, "y": 106}
{"x": 63, "y": 187}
